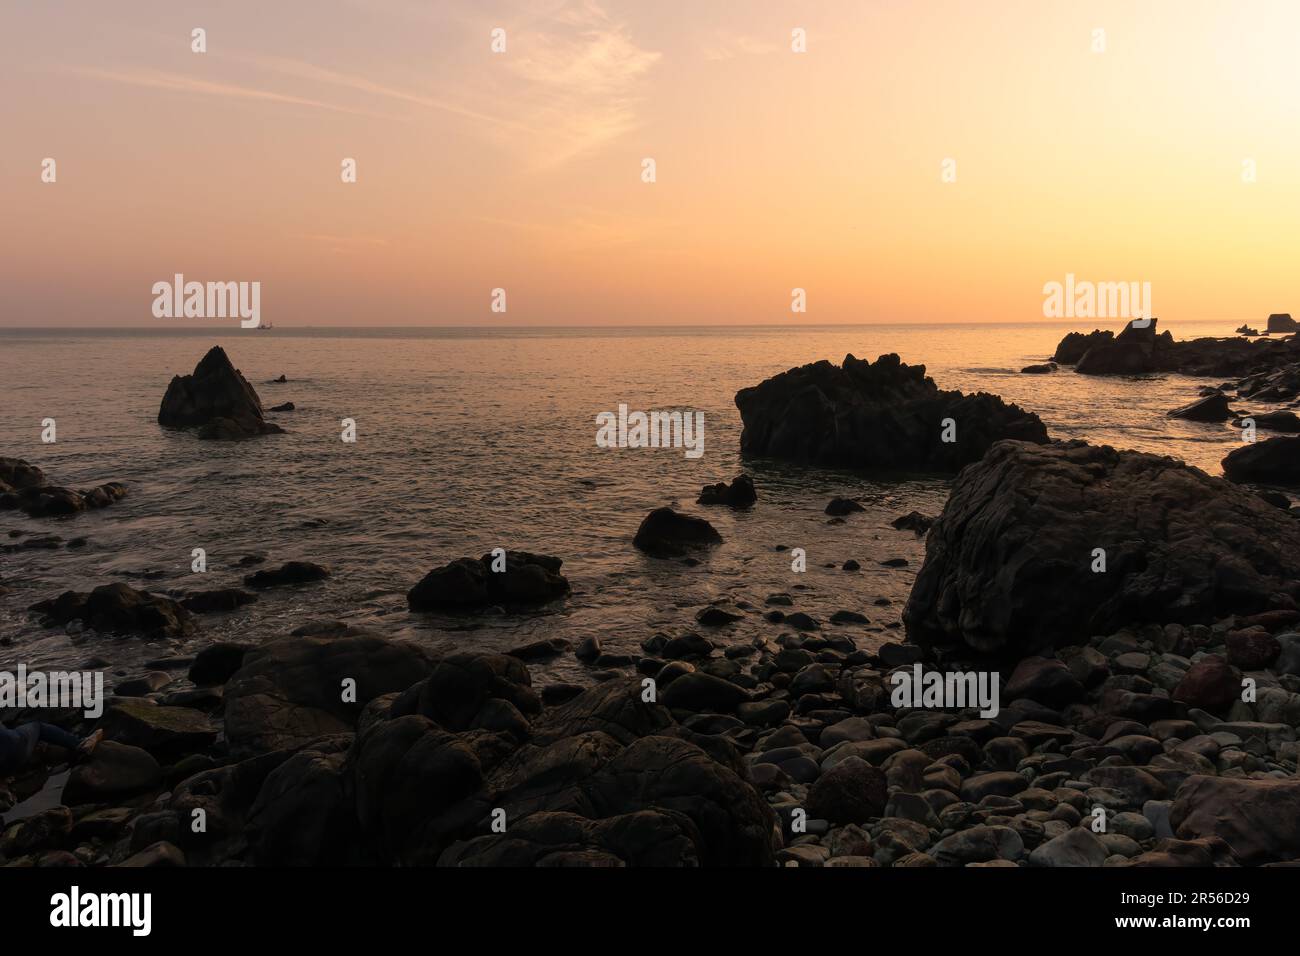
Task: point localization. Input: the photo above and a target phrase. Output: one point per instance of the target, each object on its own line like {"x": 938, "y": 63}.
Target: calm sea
{"x": 474, "y": 439}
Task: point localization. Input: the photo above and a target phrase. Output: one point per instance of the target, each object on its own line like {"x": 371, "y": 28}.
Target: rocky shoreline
{"x": 1148, "y": 708}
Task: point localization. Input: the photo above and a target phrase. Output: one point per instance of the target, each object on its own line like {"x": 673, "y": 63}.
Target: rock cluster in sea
{"x": 883, "y": 415}
{"x": 24, "y": 487}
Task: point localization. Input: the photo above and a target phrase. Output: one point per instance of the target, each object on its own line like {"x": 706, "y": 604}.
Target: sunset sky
{"x": 522, "y": 170}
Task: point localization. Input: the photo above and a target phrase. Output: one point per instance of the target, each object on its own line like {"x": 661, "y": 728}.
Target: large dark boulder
{"x": 664, "y": 533}
{"x": 113, "y": 772}
{"x": 461, "y": 686}
{"x": 1275, "y": 461}
{"x": 885, "y": 415}
{"x": 303, "y": 814}
{"x": 525, "y": 579}
{"x": 119, "y": 609}
{"x": 291, "y": 691}
{"x": 1009, "y": 562}
{"x": 166, "y": 732}
{"x": 216, "y": 399}
{"x": 1258, "y": 819}
{"x": 1282, "y": 322}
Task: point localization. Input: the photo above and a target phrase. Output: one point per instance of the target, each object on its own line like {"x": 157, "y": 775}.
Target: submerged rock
{"x": 885, "y": 415}
{"x": 218, "y": 599}
{"x": 1010, "y": 563}
{"x": 468, "y": 584}
{"x": 216, "y": 399}
{"x": 291, "y": 572}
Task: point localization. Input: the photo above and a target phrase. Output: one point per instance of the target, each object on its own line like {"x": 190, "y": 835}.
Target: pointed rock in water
{"x": 1009, "y": 564}
{"x": 1212, "y": 408}
{"x": 739, "y": 494}
{"x": 885, "y": 415}
{"x": 1275, "y": 461}
{"x": 664, "y": 533}
{"x": 216, "y": 399}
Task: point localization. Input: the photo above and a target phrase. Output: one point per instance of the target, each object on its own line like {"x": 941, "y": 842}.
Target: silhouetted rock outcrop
{"x": 1009, "y": 564}
{"x": 217, "y": 400}
{"x": 885, "y": 415}
{"x": 1282, "y": 322}
{"x": 1134, "y": 351}
{"x": 1140, "y": 350}
{"x": 523, "y": 578}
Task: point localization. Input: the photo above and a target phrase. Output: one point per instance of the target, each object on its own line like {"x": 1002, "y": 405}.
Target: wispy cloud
{"x": 317, "y": 74}
{"x": 181, "y": 83}
{"x": 579, "y": 76}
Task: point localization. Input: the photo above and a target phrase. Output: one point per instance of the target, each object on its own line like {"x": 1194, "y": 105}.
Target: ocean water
{"x": 475, "y": 439}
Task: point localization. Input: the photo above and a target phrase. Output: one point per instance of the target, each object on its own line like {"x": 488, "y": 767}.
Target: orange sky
{"x": 522, "y": 170}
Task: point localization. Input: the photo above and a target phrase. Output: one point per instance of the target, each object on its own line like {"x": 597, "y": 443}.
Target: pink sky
{"x": 522, "y": 170}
